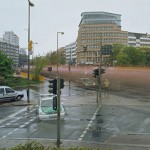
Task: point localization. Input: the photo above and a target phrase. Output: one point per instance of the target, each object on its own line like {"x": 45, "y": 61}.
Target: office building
{"x": 97, "y": 29}
{"x": 11, "y": 38}
{"x": 138, "y": 39}
{"x": 70, "y": 53}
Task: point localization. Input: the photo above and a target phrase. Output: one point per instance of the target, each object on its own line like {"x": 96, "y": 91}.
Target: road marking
{"x": 14, "y": 114}
{"x": 12, "y": 121}
{"x": 89, "y": 124}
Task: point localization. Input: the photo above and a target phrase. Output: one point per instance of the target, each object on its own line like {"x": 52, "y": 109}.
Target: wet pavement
{"x": 116, "y": 122}
{"x": 105, "y": 134}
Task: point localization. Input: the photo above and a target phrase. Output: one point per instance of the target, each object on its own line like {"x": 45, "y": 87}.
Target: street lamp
{"x": 28, "y": 91}
{"x": 57, "y": 50}
{"x": 58, "y": 95}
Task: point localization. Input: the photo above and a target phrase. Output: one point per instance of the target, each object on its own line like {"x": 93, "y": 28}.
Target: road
{"x": 119, "y": 120}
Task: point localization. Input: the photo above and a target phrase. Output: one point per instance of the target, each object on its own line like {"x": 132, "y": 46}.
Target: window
{"x": 8, "y": 90}
{"x": 2, "y": 91}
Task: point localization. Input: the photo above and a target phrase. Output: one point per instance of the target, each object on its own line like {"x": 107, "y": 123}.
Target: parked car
{"x": 8, "y": 94}
{"x": 47, "y": 107}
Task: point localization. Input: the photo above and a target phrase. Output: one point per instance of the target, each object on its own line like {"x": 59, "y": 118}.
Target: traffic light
{"x": 95, "y": 73}
{"x": 53, "y": 86}
{"x": 30, "y": 45}
{"x": 62, "y": 83}
{"x": 85, "y": 48}
{"x": 55, "y": 103}
{"x": 102, "y": 71}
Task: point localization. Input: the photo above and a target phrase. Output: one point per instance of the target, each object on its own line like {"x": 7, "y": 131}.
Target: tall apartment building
{"x": 97, "y": 29}
{"x": 11, "y": 38}
{"x": 138, "y": 39}
{"x": 70, "y": 53}
{"x": 9, "y": 44}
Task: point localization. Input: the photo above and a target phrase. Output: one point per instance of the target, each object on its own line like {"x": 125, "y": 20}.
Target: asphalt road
{"x": 115, "y": 120}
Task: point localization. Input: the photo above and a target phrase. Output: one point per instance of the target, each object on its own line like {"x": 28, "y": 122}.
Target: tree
{"x": 53, "y": 58}
{"x": 123, "y": 59}
{"x": 117, "y": 48}
{"x": 6, "y": 66}
{"x": 136, "y": 56}
{"x": 39, "y": 63}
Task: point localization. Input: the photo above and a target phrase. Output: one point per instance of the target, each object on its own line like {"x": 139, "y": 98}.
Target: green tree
{"x": 136, "y": 56}
{"x": 53, "y": 58}
{"x": 146, "y": 52}
{"x": 39, "y": 63}
{"x": 123, "y": 59}
{"x": 116, "y": 50}
{"x": 6, "y": 67}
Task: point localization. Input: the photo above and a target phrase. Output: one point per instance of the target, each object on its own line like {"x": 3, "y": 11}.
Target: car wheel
{"x": 18, "y": 98}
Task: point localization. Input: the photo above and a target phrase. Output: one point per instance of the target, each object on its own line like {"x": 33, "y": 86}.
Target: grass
{"x": 20, "y": 82}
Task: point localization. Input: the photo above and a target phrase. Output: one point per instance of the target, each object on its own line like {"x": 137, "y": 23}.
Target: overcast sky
{"x": 51, "y": 16}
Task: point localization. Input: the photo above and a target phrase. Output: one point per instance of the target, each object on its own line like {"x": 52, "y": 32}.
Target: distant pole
{"x": 69, "y": 67}
{"x": 100, "y": 66}
{"x": 58, "y": 113}
{"x": 58, "y": 97}
{"x": 28, "y": 90}
{"x": 99, "y": 86}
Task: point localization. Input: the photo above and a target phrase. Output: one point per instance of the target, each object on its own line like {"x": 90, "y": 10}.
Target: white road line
{"x": 89, "y": 124}
{"x": 15, "y": 130}
{"x": 9, "y": 133}
{"x": 22, "y": 126}
{"x": 4, "y": 136}
{"x": 14, "y": 114}
{"x": 26, "y": 123}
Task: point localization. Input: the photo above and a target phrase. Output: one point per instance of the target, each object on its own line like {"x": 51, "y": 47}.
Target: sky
{"x": 51, "y": 16}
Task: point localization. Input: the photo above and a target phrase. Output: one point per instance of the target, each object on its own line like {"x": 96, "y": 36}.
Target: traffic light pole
{"x": 99, "y": 78}
{"x": 58, "y": 113}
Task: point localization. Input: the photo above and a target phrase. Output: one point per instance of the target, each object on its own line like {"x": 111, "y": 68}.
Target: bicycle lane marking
{"x": 89, "y": 124}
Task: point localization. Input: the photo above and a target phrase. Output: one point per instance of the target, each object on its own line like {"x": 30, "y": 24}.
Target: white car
{"x": 46, "y": 107}
{"x": 8, "y": 94}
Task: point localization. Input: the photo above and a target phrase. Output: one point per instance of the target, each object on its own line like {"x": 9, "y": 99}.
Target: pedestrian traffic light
{"x": 62, "y": 83}
{"x": 55, "y": 103}
{"x": 53, "y": 86}
{"x": 30, "y": 45}
{"x": 84, "y": 48}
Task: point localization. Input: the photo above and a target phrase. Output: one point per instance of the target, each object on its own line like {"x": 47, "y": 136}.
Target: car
{"x": 9, "y": 94}
{"x": 47, "y": 107}
{"x": 86, "y": 82}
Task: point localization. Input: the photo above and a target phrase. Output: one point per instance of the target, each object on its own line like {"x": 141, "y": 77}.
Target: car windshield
{"x": 46, "y": 103}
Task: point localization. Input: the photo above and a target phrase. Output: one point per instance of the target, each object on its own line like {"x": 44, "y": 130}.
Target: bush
{"x": 30, "y": 146}
{"x": 33, "y": 145}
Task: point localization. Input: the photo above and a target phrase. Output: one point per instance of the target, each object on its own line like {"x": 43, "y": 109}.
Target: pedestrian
{"x": 106, "y": 87}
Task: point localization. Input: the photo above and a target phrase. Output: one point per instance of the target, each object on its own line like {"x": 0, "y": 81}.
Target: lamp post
{"x": 57, "y": 49}
{"x": 58, "y": 96}
{"x": 28, "y": 91}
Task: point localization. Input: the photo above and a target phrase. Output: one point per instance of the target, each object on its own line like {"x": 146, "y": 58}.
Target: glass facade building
{"x": 97, "y": 29}
{"x": 100, "y": 18}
